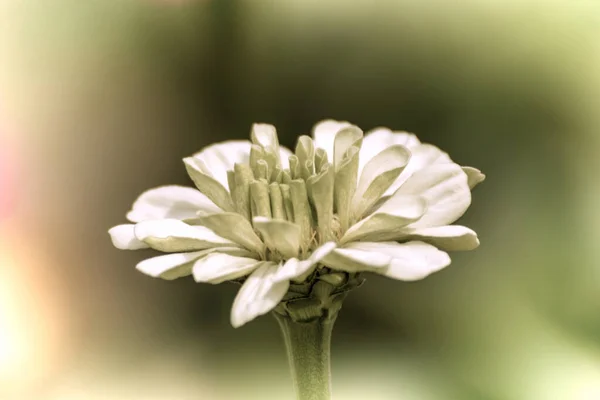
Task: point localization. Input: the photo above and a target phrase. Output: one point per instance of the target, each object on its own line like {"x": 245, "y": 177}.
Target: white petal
{"x": 177, "y": 265}
{"x": 410, "y": 206}
{"x": 379, "y": 139}
{"x": 378, "y": 175}
{"x": 258, "y": 295}
{"x": 356, "y": 260}
{"x": 264, "y": 135}
{"x": 234, "y": 227}
{"x": 427, "y": 154}
{"x": 219, "y": 158}
{"x": 279, "y": 235}
{"x": 344, "y": 139}
{"x": 398, "y": 212}
{"x": 207, "y": 184}
{"x": 297, "y": 270}
{"x": 448, "y": 237}
{"x": 123, "y": 237}
{"x": 324, "y": 134}
{"x": 285, "y": 154}
{"x": 409, "y": 261}
{"x": 170, "y": 266}
{"x": 344, "y": 187}
{"x": 423, "y": 155}
{"x": 446, "y": 190}
{"x": 171, "y": 235}
{"x": 218, "y": 267}
{"x": 172, "y": 201}
{"x": 474, "y": 175}
{"x": 376, "y": 227}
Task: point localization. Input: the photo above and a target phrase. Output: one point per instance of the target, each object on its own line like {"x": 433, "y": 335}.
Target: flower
{"x": 298, "y": 229}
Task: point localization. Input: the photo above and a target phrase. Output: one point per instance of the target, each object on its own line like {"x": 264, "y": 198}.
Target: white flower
{"x": 279, "y": 222}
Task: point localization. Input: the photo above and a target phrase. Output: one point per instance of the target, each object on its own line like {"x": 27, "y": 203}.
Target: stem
{"x": 308, "y": 349}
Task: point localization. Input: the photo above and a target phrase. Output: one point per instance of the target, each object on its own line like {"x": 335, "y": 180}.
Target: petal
{"x": 209, "y": 186}
{"x": 427, "y": 154}
{"x": 378, "y": 175}
{"x": 279, "y": 235}
{"x": 356, "y": 260}
{"x": 321, "y": 193}
{"x": 171, "y": 235}
{"x": 346, "y": 138}
{"x": 346, "y": 176}
{"x": 376, "y": 227}
{"x": 409, "y": 261}
{"x": 177, "y": 265}
{"x": 234, "y": 227}
{"x": 297, "y": 270}
{"x": 446, "y": 190}
{"x": 379, "y": 139}
{"x": 170, "y": 266}
{"x": 172, "y": 201}
{"x": 324, "y": 134}
{"x": 285, "y": 154}
{"x": 265, "y": 135}
{"x": 447, "y": 238}
{"x": 423, "y": 156}
{"x": 123, "y": 238}
{"x": 218, "y": 267}
{"x": 404, "y": 205}
{"x": 258, "y": 295}
{"x": 475, "y": 177}
{"x": 219, "y": 158}
{"x": 395, "y": 214}
{"x": 305, "y": 154}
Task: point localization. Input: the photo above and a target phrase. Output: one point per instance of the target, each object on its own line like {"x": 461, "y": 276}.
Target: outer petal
{"x": 423, "y": 155}
{"x": 324, "y": 134}
{"x": 171, "y": 235}
{"x": 170, "y": 266}
{"x": 219, "y": 158}
{"x": 448, "y": 238}
{"x": 207, "y": 184}
{"x": 258, "y": 295}
{"x": 177, "y": 265}
{"x": 378, "y": 175}
{"x": 172, "y": 201}
{"x": 234, "y": 227}
{"x": 474, "y": 175}
{"x": 123, "y": 237}
{"x": 409, "y": 261}
{"x": 219, "y": 267}
{"x": 356, "y": 260}
{"x": 346, "y": 138}
{"x": 446, "y": 190}
{"x": 344, "y": 187}
{"x": 282, "y": 236}
{"x": 398, "y": 211}
{"x": 379, "y": 139}
{"x": 297, "y": 270}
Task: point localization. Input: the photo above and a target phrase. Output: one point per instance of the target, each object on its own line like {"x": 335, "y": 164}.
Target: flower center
{"x": 302, "y": 194}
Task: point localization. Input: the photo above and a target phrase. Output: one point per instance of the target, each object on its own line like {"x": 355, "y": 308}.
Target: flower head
{"x": 298, "y": 229}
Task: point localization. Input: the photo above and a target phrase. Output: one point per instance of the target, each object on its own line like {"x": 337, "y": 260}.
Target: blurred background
{"x": 101, "y": 99}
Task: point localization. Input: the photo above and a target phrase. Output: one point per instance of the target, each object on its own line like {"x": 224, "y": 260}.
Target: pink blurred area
{"x": 33, "y": 314}
{"x": 7, "y": 176}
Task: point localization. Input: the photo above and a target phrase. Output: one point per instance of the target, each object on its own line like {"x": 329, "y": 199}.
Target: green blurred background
{"x": 100, "y": 100}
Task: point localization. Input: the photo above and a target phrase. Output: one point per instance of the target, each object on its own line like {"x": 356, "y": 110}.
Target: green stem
{"x": 308, "y": 349}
